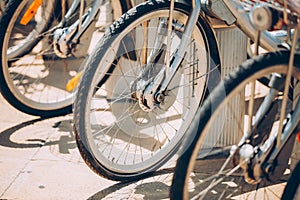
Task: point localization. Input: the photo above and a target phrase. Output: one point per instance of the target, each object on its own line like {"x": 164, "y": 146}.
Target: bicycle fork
{"x": 286, "y": 133}
{"x": 270, "y": 158}
{"x": 67, "y": 38}
{"x": 157, "y": 91}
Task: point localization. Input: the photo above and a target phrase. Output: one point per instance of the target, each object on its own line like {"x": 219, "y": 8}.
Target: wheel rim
{"x": 36, "y": 78}
{"x": 137, "y": 142}
{"x": 224, "y": 129}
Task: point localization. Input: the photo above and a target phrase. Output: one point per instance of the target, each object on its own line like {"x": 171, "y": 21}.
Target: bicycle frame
{"x": 286, "y": 133}
{"x": 280, "y": 145}
{"x": 232, "y": 13}
{"x": 76, "y": 30}
{"x": 226, "y": 10}
{"x": 267, "y": 40}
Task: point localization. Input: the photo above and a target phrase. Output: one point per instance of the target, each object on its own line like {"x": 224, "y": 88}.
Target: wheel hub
{"x": 131, "y": 113}
{"x": 146, "y": 101}
{"x": 144, "y": 88}
{"x": 61, "y": 48}
{"x": 249, "y": 162}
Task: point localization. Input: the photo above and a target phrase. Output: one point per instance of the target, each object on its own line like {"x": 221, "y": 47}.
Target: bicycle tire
{"x": 292, "y": 189}
{"x": 206, "y": 144}
{"x": 32, "y": 77}
{"x": 97, "y": 161}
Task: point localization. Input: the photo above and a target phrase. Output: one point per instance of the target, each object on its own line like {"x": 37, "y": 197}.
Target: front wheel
{"x": 217, "y": 163}
{"x": 29, "y": 82}
{"x": 120, "y": 134}
{"x": 34, "y": 70}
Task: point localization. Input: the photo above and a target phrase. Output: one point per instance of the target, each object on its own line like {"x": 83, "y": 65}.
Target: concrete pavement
{"x": 39, "y": 159}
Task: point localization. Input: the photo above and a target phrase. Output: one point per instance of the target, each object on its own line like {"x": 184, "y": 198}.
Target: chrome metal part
{"x": 62, "y": 46}
{"x": 261, "y": 17}
{"x": 249, "y": 162}
{"x": 218, "y": 9}
{"x": 267, "y": 41}
{"x": 180, "y": 53}
{"x": 142, "y": 87}
{"x": 246, "y": 152}
{"x": 68, "y": 41}
{"x": 161, "y": 35}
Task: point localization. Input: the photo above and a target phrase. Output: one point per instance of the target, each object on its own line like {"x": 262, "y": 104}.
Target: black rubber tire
{"x": 116, "y": 28}
{"x": 293, "y": 185}
{"x": 7, "y": 93}
{"x": 10, "y": 9}
{"x": 5, "y": 90}
{"x": 226, "y": 86}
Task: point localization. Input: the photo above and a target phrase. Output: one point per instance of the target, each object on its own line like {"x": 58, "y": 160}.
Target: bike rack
{"x": 233, "y": 52}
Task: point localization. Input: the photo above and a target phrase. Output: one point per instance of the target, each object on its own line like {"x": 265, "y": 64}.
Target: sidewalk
{"x": 39, "y": 159}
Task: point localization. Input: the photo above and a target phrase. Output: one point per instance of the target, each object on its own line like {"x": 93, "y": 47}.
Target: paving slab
{"x": 39, "y": 159}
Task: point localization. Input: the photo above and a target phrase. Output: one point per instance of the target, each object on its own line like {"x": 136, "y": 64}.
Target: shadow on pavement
{"x": 65, "y": 141}
{"x": 6, "y": 134}
{"x": 155, "y": 186}
{"x": 57, "y": 135}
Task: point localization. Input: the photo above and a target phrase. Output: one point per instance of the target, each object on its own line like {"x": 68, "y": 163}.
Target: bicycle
{"x": 241, "y": 144}
{"x": 43, "y": 44}
{"x": 291, "y": 190}
{"x": 142, "y": 86}
{"x": 2, "y": 6}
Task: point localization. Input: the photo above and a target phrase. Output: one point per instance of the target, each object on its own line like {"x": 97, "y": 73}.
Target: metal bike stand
{"x": 232, "y": 46}
{"x": 233, "y": 51}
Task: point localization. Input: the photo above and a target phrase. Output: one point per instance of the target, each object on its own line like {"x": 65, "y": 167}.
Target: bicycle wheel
{"x": 211, "y": 165}
{"x": 2, "y": 6}
{"x": 292, "y": 188}
{"x": 118, "y": 135}
{"x": 34, "y": 71}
